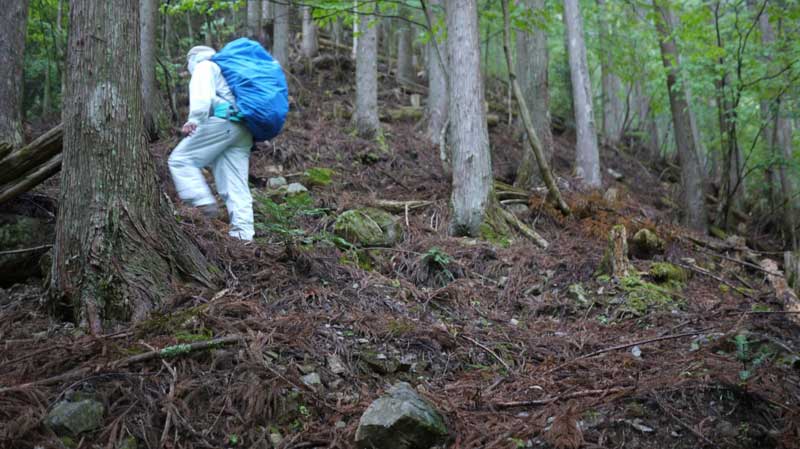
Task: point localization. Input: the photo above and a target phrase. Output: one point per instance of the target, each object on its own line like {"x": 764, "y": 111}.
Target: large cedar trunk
{"x": 691, "y": 171}
{"x": 405, "y": 49}
{"x": 280, "y": 39}
{"x": 254, "y": 19}
{"x": 532, "y": 64}
{"x": 436, "y": 107}
{"x": 118, "y": 251}
{"x": 612, "y": 86}
{"x": 149, "y": 15}
{"x": 365, "y": 117}
{"x": 587, "y": 166}
{"x": 472, "y": 164}
{"x": 13, "y": 23}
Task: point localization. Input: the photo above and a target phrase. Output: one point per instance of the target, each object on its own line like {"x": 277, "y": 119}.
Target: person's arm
{"x": 201, "y": 93}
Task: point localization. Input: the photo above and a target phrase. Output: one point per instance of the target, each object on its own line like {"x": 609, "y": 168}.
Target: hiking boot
{"x": 211, "y": 211}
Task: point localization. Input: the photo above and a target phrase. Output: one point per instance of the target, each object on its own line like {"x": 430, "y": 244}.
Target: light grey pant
{"x": 224, "y": 146}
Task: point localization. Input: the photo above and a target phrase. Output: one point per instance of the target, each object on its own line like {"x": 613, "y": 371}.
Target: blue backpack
{"x": 258, "y": 83}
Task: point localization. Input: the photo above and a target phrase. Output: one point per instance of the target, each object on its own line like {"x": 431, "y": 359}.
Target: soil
{"x": 493, "y": 335}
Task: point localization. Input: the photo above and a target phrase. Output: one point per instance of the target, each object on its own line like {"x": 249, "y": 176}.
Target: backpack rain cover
{"x": 258, "y": 83}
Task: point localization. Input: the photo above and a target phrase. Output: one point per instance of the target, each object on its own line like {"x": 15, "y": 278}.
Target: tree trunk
{"x": 150, "y": 96}
{"x": 472, "y": 164}
{"x": 587, "y": 154}
{"x": 118, "y": 250}
{"x": 532, "y": 64}
{"x": 436, "y": 107}
{"x": 254, "y": 20}
{"x": 405, "y": 50}
{"x": 783, "y": 139}
{"x": 691, "y": 171}
{"x": 338, "y": 31}
{"x": 365, "y": 117}
{"x": 280, "y": 44}
{"x": 612, "y": 87}
{"x": 13, "y": 23}
{"x": 310, "y": 45}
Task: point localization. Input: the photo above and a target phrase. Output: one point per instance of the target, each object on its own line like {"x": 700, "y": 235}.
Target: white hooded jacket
{"x": 207, "y": 88}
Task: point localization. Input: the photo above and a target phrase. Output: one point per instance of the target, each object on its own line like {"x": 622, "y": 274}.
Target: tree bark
{"x": 13, "y": 23}
{"x": 532, "y": 64}
{"x": 254, "y": 20}
{"x": 310, "y": 45}
{"x": 472, "y": 164}
{"x": 405, "y": 50}
{"x": 267, "y": 22}
{"x": 365, "y": 117}
{"x": 691, "y": 171}
{"x": 118, "y": 250}
{"x": 587, "y": 153}
{"x": 436, "y": 107}
{"x": 150, "y": 103}
{"x": 612, "y": 86}
{"x": 280, "y": 45}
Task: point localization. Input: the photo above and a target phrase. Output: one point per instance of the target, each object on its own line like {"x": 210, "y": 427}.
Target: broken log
{"x": 30, "y": 180}
{"x": 24, "y": 159}
{"x": 782, "y": 290}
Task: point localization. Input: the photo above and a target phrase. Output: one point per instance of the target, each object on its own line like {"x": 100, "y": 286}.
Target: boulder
{"x": 368, "y": 227}
{"x": 73, "y": 418}
{"x": 295, "y": 188}
{"x": 645, "y": 244}
{"x": 400, "y": 420}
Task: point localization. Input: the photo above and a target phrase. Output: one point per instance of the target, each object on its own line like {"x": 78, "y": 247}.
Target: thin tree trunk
{"x": 267, "y": 22}
{"x": 405, "y": 49}
{"x": 150, "y": 103}
{"x": 338, "y": 32}
{"x": 118, "y": 251}
{"x": 532, "y": 64}
{"x": 691, "y": 171}
{"x": 254, "y": 20}
{"x": 365, "y": 117}
{"x": 587, "y": 153}
{"x": 612, "y": 87}
{"x": 472, "y": 164}
{"x": 280, "y": 45}
{"x": 13, "y": 23}
{"x": 436, "y": 108}
{"x": 310, "y": 45}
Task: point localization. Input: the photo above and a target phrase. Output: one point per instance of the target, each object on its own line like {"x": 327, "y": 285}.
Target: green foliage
{"x": 318, "y": 176}
{"x": 642, "y": 296}
{"x": 750, "y": 361}
{"x": 280, "y": 217}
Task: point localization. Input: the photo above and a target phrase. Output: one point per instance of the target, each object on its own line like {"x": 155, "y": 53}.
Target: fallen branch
{"x": 166, "y": 353}
{"x": 628, "y": 345}
{"x": 487, "y": 349}
{"x": 526, "y": 230}
{"x": 399, "y": 206}
{"x": 707, "y": 273}
{"x": 25, "y": 250}
{"x": 561, "y": 397}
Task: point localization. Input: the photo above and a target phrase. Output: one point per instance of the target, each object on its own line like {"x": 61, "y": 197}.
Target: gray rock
{"x": 295, "y": 187}
{"x": 400, "y": 420}
{"x": 274, "y": 183}
{"x": 335, "y": 364}
{"x": 368, "y": 227}
{"x": 73, "y": 418}
{"x": 311, "y": 379}
{"x": 615, "y": 174}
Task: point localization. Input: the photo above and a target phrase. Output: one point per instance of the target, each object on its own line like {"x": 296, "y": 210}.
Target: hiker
{"x": 215, "y": 138}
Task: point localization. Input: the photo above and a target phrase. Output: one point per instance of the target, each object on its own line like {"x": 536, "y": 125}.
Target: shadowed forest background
{"x": 485, "y": 224}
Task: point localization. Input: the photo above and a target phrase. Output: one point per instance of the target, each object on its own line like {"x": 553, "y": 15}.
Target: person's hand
{"x": 189, "y": 128}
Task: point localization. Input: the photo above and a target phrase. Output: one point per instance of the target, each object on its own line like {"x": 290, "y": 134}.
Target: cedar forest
{"x": 485, "y": 224}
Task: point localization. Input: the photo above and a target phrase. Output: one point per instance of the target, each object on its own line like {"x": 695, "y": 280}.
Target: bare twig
{"x": 487, "y": 349}
{"x": 25, "y": 250}
{"x": 561, "y": 397}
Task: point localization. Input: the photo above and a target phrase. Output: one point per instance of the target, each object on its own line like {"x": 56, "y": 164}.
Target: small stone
{"x": 295, "y": 188}
{"x": 276, "y": 439}
{"x": 637, "y": 352}
{"x": 312, "y": 380}
{"x": 615, "y": 174}
{"x": 340, "y": 424}
{"x": 335, "y": 364}
{"x": 73, "y": 418}
{"x": 611, "y": 195}
{"x": 514, "y": 322}
{"x": 637, "y": 424}
{"x": 274, "y": 183}
{"x": 578, "y": 293}
{"x": 400, "y": 420}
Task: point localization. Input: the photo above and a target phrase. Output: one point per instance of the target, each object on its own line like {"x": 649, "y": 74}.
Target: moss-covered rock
{"x": 73, "y": 418}
{"x": 400, "y": 420}
{"x": 664, "y": 272}
{"x": 645, "y": 244}
{"x": 368, "y": 227}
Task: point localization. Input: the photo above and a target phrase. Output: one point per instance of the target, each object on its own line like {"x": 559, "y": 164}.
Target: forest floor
{"x": 516, "y": 345}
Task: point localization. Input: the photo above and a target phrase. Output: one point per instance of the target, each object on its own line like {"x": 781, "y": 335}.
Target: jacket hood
{"x": 197, "y": 55}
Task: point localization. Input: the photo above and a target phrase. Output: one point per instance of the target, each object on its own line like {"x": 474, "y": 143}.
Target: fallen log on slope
{"x": 782, "y": 290}
{"x": 24, "y": 168}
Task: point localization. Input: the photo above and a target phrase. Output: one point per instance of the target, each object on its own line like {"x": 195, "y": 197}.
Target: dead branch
{"x": 526, "y": 230}
{"x": 561, "y": 397}
{"x": 399, "y": 206}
